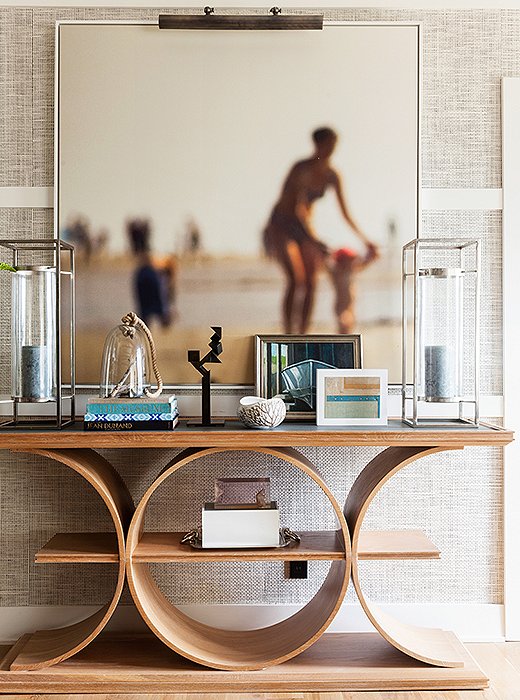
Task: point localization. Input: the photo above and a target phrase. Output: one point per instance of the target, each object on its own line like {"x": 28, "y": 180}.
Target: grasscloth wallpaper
{"x": 456, "y": 497}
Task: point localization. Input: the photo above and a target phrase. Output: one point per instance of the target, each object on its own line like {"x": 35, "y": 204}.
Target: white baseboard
{"x": 471, "y": 622}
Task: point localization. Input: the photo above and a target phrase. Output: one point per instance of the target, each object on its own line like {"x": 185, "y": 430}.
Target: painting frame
{"x": 269, "y": 384}
{"x": 231, "y": 380}
{"x": 364, "y": 395}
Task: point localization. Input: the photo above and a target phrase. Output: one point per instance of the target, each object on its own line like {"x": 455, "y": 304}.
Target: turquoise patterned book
{"x": 128, "y": 415}
{"x": 105, "y": 407}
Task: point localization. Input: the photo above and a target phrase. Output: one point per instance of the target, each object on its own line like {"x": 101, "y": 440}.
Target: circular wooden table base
{"x": 48, "y": 647}
{"x": 225, "y": 649}
{"x": 236, "y": 650}
{"x": 429, "y": 645}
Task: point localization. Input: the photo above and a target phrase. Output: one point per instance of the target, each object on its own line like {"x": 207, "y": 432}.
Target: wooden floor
{"x": 501, "y": 662}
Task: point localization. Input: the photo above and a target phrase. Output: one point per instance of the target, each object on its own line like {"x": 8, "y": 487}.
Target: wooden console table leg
{"x": 47, "y": 647}
{"x": 432, "y": 646}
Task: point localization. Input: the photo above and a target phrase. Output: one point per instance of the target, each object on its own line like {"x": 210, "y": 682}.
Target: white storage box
{"x": 241, "y": 527}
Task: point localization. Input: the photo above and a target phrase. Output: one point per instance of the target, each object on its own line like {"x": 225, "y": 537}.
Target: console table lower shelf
{"x": 336, "y": 662}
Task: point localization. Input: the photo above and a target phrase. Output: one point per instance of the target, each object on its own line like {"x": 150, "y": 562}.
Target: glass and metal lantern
{"x": 440, "y": 332}
{"x": 42, "y": 332}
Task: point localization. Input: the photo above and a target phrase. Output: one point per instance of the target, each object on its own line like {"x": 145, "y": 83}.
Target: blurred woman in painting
{"x": 289, "y": 236}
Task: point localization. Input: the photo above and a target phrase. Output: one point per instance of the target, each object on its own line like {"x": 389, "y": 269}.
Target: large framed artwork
{"x": 262, "y": 181}
{"x": 287, "y": 366}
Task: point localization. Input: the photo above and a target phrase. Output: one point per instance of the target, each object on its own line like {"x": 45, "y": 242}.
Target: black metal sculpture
{"x": 211, "y": 357}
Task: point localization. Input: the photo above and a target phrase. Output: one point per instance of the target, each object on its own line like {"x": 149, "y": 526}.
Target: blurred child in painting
{"x": 344, "y": 265}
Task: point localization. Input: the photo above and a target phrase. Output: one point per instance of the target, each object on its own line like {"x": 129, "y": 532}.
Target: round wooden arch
{"x": 47, "y": 647}
{"x": 227, "y": 649}
{"x": 424, "y": 644}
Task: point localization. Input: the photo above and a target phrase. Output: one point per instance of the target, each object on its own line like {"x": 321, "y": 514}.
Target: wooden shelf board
{"x": 396, "y": 544}
{"x": 166, "y": 546}
{"x": 79, "y": 547}
{"x": 234, "y": 434}
{"x": 101, "y": 547}
{"x": 336, "y": 662}
{"x": 324, "y": 545}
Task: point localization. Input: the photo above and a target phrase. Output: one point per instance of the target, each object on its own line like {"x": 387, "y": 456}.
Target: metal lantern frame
{"x": 52, "y": 250}
{"x": 468, "y": 405}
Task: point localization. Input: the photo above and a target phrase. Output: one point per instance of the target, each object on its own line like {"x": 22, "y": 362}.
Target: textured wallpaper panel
{"x": 14, "y": 531}
{"x": 16, "y": 75}
{"x": 462, "y": 102}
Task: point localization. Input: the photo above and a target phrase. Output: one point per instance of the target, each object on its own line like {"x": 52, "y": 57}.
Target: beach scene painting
{"x": 352, "y": 397}
{"x": 264, "y": 182}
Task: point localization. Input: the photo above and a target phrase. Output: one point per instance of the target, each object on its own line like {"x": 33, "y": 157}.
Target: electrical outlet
{"x": 296, "y": 569}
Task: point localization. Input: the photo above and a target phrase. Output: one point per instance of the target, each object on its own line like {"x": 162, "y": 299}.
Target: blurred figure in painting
{"x": 344, "y": 265}
{"x": 154, "y": 278}
{"x": 289, "y": 237}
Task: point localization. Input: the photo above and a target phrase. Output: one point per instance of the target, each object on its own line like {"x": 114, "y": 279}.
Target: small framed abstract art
{"x": 351, "y": 397}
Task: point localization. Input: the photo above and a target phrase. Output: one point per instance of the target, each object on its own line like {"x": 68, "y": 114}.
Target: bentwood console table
{"x": 181, "y": 654}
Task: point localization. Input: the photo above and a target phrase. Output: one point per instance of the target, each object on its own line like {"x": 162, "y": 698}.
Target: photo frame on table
{"x": 286, "y": 367}
{"x": 347, "y": 397}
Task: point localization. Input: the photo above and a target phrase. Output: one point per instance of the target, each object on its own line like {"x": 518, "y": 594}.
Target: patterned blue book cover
{"x": 130, "y": 416}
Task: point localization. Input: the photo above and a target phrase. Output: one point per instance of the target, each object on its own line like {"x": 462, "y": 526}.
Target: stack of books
{"x": 131, "y": 414}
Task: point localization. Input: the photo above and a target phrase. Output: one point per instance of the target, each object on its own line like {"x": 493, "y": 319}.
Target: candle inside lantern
{"x": 36, "y": 373}
{"x": 439, "y": 374}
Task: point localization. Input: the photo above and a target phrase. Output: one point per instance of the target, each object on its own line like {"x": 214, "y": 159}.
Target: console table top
{"x": 234, "y": 434}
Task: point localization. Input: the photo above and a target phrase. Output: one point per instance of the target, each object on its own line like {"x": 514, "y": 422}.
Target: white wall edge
{"x": 472, "y": 622}
{"x": 29, "y": 197}
{"x": 431, "y": 198}
{"x": 511, "y": 326}
{"x": 463, "y": 199}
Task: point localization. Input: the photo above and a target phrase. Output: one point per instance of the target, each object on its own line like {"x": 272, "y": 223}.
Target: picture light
{"x": 209, "y": 20}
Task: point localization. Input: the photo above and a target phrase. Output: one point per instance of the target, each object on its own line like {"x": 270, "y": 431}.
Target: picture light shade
{"x": 212, "y": 21}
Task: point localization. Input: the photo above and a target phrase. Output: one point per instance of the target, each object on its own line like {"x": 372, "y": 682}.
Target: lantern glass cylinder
{"x": 439, "y": 347}
{"x": 34, "y": 364}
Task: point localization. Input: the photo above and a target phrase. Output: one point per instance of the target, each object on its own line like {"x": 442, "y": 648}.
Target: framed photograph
{"x": 179, "y": 211}
{"x": 351, "y": 397}
{"x": 286, "y": 367}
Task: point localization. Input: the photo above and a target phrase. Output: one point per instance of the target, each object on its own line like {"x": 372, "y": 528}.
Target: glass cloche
{"x": 126, "y": 367}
